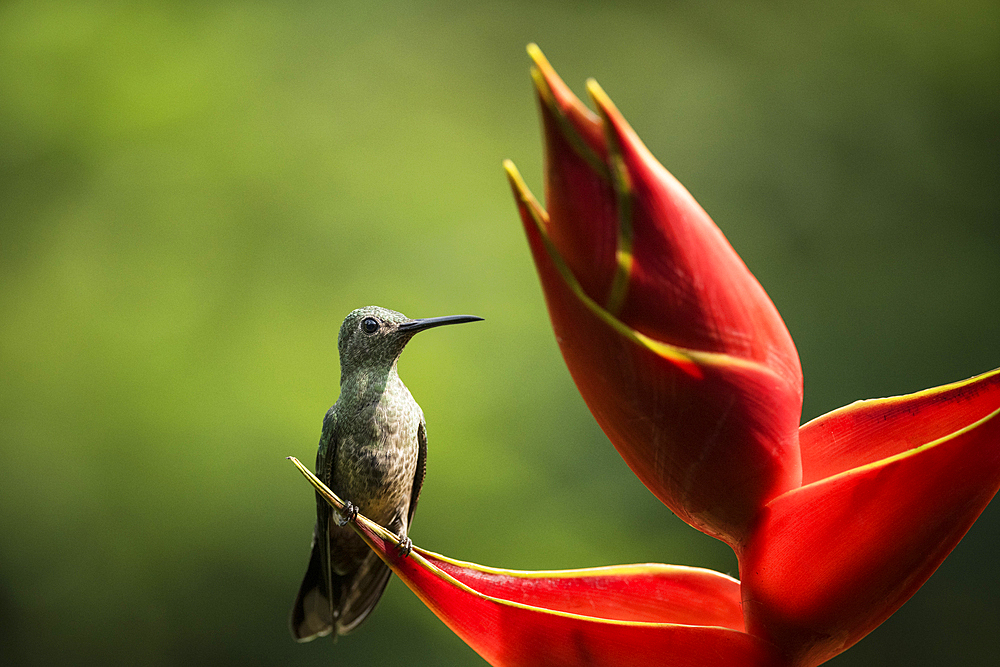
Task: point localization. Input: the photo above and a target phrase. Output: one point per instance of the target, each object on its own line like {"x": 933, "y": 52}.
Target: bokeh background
{"x": 194, "y": 194}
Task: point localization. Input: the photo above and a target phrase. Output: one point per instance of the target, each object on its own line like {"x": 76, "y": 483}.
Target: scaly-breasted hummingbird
{"x": 372, "y": 453}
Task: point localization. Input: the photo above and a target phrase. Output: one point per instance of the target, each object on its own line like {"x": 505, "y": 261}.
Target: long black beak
{"x": 413, "y": 326}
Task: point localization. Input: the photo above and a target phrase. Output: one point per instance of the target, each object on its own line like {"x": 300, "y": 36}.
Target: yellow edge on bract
{"x": 616, "y": 173}
{"x": 862, "y": 469}
{"x": 686, "y": 359}
{"x": 338, "y": 504}
{"x": 904, "y": 397}
{"x": 540, "y": 74}
{"x": 622, "y": 183}
{"x": 636, "y": 568}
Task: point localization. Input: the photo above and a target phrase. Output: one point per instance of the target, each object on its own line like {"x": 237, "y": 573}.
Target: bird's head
{"x": 374, "y": 337}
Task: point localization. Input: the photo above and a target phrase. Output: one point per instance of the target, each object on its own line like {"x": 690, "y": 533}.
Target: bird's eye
{"x": 369, "y": 325}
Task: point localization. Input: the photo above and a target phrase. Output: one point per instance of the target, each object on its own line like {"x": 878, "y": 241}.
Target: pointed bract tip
{"x": 617, "y": 130}
{"x": 607, "y": 109}
{"x": 541, "y": 70}
{"x": 549, "y": 84}
{"x": 514, "y": 176}
{"x": 523, "y": 194}
{"x": 536, "y": 55}
{"x": 600, "y": 98}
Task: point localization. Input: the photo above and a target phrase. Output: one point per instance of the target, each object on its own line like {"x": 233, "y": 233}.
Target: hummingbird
{"x": 373, "y": 454}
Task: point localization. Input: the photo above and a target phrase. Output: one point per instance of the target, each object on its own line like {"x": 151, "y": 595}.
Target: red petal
{"x": 629, "y": 615}
{"x": 687, "y": 286}
{"x": 503, "y": 615}
{"x": 651, "y": 593}
{"x": 709, "y": 434}
{"x": 640, "y": 245}
{"x": 583, "y": 124}
{"x": 714, "y": 439}
{"x": 578, "y": 189}
{"x": 832, "y": 560}
{"x": 868, "y": 431}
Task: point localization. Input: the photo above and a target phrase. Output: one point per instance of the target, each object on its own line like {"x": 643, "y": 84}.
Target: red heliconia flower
{"x": 689, "y": 369}
{"x": 674, "y": 345}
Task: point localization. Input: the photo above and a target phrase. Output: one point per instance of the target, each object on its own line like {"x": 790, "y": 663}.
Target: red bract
{"x": 622, "y": 616}
{"x": 891, "y": 486}
{"x": 688, "y": 368}
{"x": 674, "y": 345}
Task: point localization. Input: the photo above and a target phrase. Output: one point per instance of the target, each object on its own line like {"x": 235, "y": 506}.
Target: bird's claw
{"x": 348, "y": 514}
{"x": 405, "y": 546}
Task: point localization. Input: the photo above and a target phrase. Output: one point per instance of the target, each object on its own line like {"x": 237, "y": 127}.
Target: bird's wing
{"x": 418, "y": 478}
{"x": 312, "y": 613}
{"x": 325, "y": 457}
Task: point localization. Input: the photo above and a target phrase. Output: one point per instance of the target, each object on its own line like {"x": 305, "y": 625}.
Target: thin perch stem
{"x": 336, "y": 503}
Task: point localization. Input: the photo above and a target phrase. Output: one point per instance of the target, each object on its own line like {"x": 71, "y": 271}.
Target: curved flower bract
{"x": 622, "y": 616}
{"x": 688, "y": 368}
{"x": 640, "y": 245}
{"x": 691, "y": 425}
{"x": 833, "y": 559}
{"x": 675, "y": 347}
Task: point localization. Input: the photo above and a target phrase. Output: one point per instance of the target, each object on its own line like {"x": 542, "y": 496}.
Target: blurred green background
{"x": 194, "y": 194}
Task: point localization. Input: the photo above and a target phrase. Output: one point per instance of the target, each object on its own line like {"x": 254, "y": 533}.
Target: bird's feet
{"x": 348, "y": 514}
{"x": 405, "y": 546}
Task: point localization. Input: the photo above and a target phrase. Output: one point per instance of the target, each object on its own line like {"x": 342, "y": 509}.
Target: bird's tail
{"x": 312, "y": 613}
{"x": 360, "y": 592}
{"x": 355, "y": 596}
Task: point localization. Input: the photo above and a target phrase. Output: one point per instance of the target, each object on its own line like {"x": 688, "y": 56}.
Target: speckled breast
{"x": 376, "y": 465}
